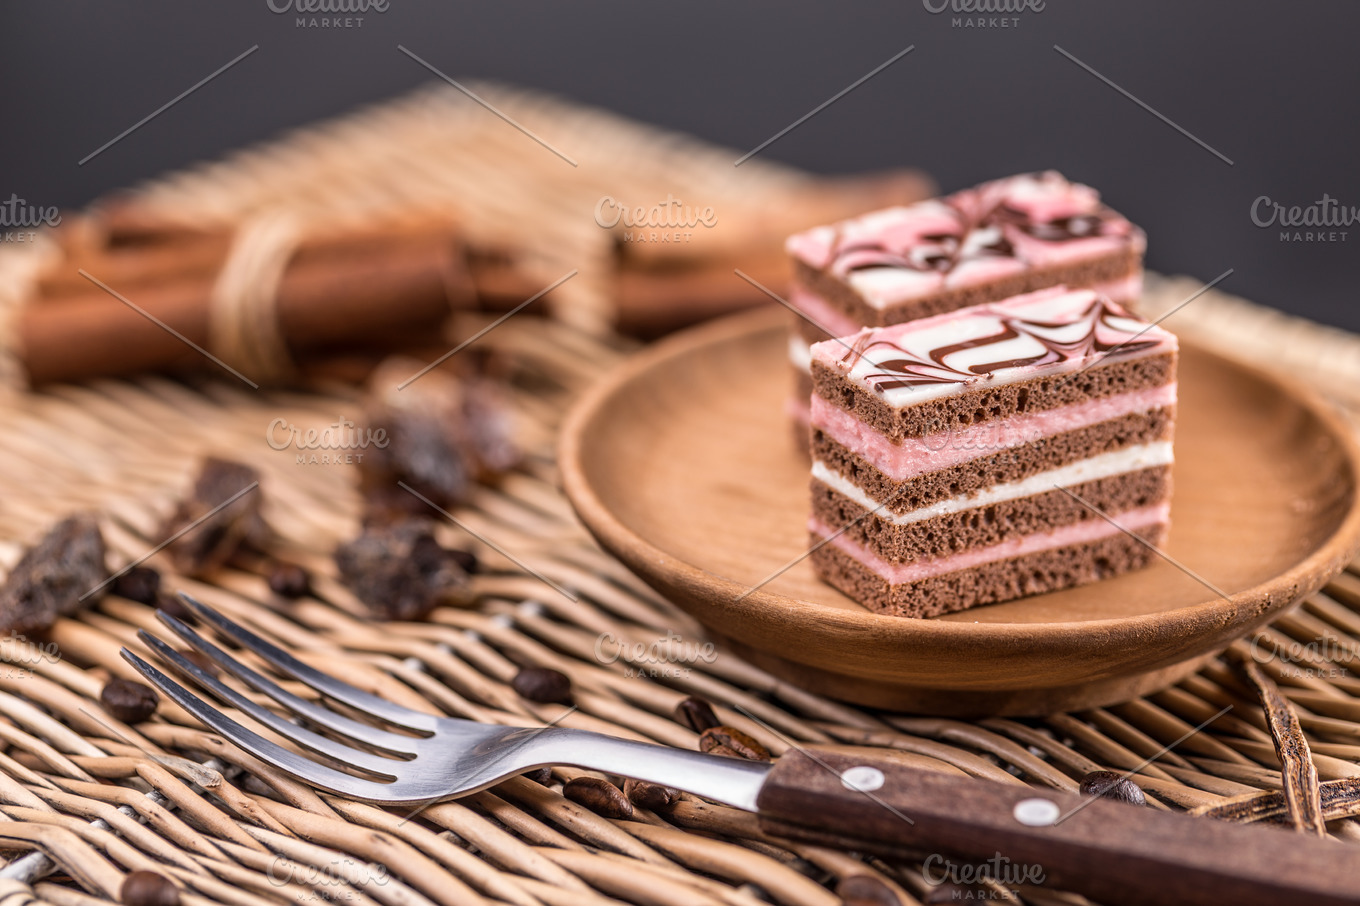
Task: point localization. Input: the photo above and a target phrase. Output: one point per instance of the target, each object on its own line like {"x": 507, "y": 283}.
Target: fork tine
{"x": 382, "y": 740}
{"x": 302, "y": 768}
{"x": 329, "y": 748}
{"x": 324, "y": 683}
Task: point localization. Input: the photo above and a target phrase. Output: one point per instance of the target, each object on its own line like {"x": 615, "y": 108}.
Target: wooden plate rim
{"x": 1248, "y": 606}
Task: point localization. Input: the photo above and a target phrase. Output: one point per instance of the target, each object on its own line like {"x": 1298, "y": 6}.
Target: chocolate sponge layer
{"x": 940, "y": 536}
{"x": 999, "y": 580}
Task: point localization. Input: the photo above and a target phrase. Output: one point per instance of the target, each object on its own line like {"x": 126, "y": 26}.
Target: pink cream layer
{"x": 822, "y": 313}
{"x": 1083, "y": 532}
{"x": 921, "y": 455}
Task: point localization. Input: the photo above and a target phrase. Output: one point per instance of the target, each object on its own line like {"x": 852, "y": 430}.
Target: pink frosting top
{"x": 1052, "y": 331}
{"x": 970, "y": 237}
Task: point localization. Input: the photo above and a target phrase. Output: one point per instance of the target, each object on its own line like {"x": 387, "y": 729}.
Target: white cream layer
{"x": 800, "y": 353}
{"x": 1129, "y": 459}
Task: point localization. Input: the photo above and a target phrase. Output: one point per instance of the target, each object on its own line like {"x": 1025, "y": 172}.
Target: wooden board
{"x": 683, "y": 465}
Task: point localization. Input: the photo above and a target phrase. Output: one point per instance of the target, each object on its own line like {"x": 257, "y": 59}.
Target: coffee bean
{"x": 696, "y": 714}
{"x": 141, "y": 584}
{"x": 649, "y": 795}
{"x": 600, "y": 796}
{"x": 148, "y": 888}
{"x": 542, "y": 776}
{"x": 1109, "y": 785}
{"x": 289, "y": 580}
{"x": 732, "y": 740}
{"x": 129, "y": 701}
{"x": 866, "y": 890}
{"x": 543, "y": 684}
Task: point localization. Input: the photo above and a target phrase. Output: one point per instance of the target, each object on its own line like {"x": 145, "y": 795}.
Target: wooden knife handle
{"x": 1110, "y": 851}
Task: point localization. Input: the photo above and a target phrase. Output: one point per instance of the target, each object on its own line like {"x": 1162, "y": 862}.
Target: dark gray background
{"x": 1273, "y": 86}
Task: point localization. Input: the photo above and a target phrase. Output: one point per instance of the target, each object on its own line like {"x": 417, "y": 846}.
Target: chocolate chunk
{"x": 148, "y": 888}
{"x": 467, "y": 560}
{"x": 696, "y": 714}
{"x": 129, "y": 701}
{"x": 600, "y": 796}
{"x": 174, "y": 605}
{"x": 1109, "y": 785}
{"x": 399, "y": 571}
{"x": 217, "y": 531}
{"x": 140, "y": 583}
{"x": 729, "y": 741}
{"x": 289, "y": 580}
{"x": 543, "y": 684}
{"x": 52, "y": 576}
{"x": 441, "y": 433}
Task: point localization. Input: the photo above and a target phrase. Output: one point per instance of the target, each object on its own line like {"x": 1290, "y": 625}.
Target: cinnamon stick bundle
{"x": 335, "y": 290}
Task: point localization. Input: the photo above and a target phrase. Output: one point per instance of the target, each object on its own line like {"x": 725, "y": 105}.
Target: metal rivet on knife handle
{"x": 863, "y": 778}
{"x": 1036, "y": 812}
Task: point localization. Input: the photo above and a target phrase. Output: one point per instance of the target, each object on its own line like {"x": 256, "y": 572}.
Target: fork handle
{"x": 1112, "y": 852}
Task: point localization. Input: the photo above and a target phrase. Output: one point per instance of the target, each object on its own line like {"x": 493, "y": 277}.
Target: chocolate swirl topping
{"x": 973, "y": 237}
{"x": 900, "y": 368}
{"x": 1062, "y": 229}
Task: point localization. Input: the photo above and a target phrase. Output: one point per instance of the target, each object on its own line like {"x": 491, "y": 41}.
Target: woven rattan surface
{"x": 95, "y": 799}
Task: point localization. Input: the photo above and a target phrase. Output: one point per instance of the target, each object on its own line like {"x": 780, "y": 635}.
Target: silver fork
{"x": 1113, "y": 852}
{"x": 438, "y": 757}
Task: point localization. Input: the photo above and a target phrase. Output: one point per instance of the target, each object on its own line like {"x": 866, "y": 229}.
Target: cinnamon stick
{"x": 652, "y": 303}
{"x": 323, "y": 300}
{"x": 130, "y": 267}
{"x": 182, "y": 253}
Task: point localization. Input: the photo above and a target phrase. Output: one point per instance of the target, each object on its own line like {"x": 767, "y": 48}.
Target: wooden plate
{"x": 682, "y": 464}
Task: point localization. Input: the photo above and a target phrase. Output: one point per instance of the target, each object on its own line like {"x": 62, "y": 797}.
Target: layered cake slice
{"x": 990, "y": 453}
{"x": 980, "y": 245}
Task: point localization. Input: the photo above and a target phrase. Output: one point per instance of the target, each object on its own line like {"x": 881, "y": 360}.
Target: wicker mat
{"x": 86, "y": 799}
